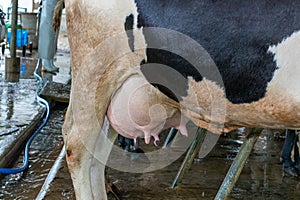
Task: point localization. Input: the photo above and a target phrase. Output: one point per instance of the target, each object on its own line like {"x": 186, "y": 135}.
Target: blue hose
{"x": 46, "y": 113}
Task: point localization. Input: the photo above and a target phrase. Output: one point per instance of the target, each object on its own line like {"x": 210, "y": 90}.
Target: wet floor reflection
{"x": 18, "y": 107}
{"x": 17, "y": 103}
{"x": 10, "y": 102}
{"x": 27, "y": 68}
{"x": 261, "y": 178}
{"x": 43, "y": 152}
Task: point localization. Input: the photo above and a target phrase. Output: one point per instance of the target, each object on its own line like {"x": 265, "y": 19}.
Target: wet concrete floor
{"x": 261, "y": 178}
{"x": 18, "y": 107}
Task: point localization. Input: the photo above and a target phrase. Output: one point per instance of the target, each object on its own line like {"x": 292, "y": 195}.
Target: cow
{"x": 145, "y": 66}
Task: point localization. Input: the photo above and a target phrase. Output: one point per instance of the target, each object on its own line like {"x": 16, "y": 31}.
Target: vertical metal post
{"x": 14, "y": 21}
{"x": 32, "y": 5}
{"x": 170, "y": 137}
{"x": 12, "y": 63}
{"x": 238, "y": 165}
{"x": 190, "y": 155}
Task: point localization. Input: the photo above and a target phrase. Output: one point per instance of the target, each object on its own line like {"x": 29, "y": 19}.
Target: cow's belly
{"x": 138, "y": 109}
{"x": 279, "y": 109}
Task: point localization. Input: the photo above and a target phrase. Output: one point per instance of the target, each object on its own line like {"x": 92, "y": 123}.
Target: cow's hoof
{"x": 290, "y": 171}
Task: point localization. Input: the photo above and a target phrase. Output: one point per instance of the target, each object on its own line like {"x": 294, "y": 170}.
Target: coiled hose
{"x": 46, "y": 113}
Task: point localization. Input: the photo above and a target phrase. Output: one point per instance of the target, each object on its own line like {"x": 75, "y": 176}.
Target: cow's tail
{"x": 57, "y": 15}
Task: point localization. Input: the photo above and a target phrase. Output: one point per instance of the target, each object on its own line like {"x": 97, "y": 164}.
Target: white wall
{"x": 22, "y": 3}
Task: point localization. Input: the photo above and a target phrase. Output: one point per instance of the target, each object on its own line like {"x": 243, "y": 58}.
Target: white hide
{"x": 287, "y": 58}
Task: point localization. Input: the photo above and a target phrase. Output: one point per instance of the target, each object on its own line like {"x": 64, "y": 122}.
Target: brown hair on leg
{"x": 57, "y": 15}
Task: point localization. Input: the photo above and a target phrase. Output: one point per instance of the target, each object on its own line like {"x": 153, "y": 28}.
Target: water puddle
{"x": 43, "y": 152}
{"x": 260, "y": 179}
{"x": 17, "y": 109}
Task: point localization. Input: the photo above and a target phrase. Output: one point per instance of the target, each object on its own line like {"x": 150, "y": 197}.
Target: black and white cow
{"x": 220, "y": 64}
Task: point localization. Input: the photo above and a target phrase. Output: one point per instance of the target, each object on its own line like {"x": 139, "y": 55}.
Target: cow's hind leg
{"x": 87, "y": 164}
{"x": 87, "y": 143}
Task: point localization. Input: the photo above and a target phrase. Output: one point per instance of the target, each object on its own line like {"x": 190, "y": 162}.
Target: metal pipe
{"x": 190, "y": 155}
{"x": 238, "y": 164}
{"x": 14, "y": 21}
{"x": 170, "y": 137}
{"x": 51, "y": 175}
